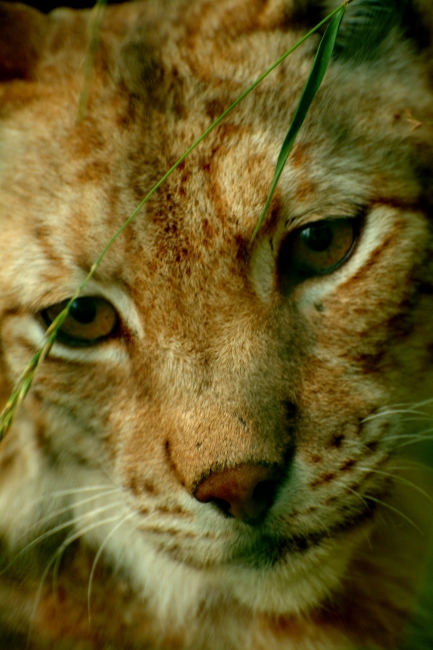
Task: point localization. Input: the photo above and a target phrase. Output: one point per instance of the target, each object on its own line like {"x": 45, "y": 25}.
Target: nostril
{"x": 245, "y": 492}
{"x": 222, "y": 505}
{"x": 265, "y": 491}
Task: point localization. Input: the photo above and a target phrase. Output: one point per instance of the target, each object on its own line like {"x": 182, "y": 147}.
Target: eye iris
{"x": 90, "y": 320}
{"x": 83, "y": 310}
{"x": 317, "y": 249}
{"x": 318, "y": 238}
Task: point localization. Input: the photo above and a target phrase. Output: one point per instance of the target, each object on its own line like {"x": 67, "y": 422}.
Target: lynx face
{"x": 218, "y": 420}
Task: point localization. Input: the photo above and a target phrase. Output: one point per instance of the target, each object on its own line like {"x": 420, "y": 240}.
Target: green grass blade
{"x": 315, "y": 78}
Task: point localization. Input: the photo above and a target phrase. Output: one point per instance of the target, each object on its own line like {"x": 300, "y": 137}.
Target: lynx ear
{"x": 370, "y": 25}
{"x": 22, "y": 35}
{"x": 366, "y": 25}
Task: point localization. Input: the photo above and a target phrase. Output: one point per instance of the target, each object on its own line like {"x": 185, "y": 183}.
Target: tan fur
{"x": 220, "y": 362}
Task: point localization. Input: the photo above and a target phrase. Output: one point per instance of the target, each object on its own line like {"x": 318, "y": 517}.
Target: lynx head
{"x": 235, "y": 399}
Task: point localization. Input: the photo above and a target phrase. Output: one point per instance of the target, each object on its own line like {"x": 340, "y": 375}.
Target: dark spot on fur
{"x": 337, "y": 441}
{"x": 324, "y": 478}
{"x": 176, "y": 511}
{"x": 133, "y": 486}
{"x": 347, "y": 465}
{"x": 149, "y": 487}
{"x": 215, "y": 108}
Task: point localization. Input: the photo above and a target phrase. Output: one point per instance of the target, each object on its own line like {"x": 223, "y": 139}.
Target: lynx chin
{"x": 223, "y": 449}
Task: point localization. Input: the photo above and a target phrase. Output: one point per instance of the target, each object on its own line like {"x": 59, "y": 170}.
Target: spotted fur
{"x": 223, "y": 358}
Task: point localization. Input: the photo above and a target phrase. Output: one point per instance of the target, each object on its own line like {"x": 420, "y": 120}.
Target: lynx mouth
{"x": 269, "y": 550}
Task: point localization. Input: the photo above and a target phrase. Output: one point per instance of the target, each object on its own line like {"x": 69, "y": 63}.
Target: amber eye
{"x": 89, "y": 321}
{"x": 317, "y": 249}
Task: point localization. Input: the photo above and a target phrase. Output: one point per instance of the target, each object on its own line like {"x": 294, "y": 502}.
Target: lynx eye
{"x": 90, "y": 320}
{"x": 318, "y": 249}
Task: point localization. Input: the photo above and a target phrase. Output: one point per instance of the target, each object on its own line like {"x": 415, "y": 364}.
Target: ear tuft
{"x": 22, "y": 33}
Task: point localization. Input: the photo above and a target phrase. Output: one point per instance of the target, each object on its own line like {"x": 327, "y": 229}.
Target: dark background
{"x": 48, "y": 5}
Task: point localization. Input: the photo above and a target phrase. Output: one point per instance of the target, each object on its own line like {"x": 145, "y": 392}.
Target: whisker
{"x": 395, "y": 510}
{"x": 98, "y": 555}
{"x": 402, "y": 408}
{"x": 419, "y": 415}
{"x": 71, "y": 492}
{"x": 60, "y": 550}
{"x": 57, "y": 529}
{"x": 416, "y": 465}
{"x": 400, "y": 436}
{"x": 414, "y": 440}
{"x": 61, "y": 511}
{"x": 347, "y": 487}
{"x": 402, "y": 480}
{"x": 410, "y": 438}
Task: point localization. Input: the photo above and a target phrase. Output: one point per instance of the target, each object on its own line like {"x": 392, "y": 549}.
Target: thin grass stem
{"x": 95, "y": 25}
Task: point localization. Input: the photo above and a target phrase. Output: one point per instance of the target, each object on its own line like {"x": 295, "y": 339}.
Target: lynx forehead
{"x": 216, "y": 434}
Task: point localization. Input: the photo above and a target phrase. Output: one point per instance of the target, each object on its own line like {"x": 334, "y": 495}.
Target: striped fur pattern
{"x": 213, "y": 354}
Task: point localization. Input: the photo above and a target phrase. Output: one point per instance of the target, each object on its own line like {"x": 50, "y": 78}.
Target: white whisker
{"x": 419, "y": 415}
{"x": 401, "y": 409}
{"x": 400, "y": 479}
{"x": 58, "y": 528}
{"x": 98, "y": 555}
{"x": 60, "y": 550}
{"x": 395, "y": 510}
{"x": 414, "y": 440}
{"x": 67, "y": 508}
{"x": 347, "y": 487}
{"x": 72, "y": 492}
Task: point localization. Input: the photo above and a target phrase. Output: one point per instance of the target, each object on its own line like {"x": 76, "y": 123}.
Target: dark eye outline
{"x": 292, "y": 276}
{"x": 75, "y": 341}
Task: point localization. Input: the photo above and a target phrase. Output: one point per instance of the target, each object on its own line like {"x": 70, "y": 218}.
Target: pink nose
{"x": 245, "y": 492}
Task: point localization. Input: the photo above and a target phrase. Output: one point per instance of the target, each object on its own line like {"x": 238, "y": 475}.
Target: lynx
{"x": 217, "y": 452}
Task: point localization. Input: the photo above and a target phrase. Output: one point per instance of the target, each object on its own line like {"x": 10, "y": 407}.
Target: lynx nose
{"x": 245, "y": 492}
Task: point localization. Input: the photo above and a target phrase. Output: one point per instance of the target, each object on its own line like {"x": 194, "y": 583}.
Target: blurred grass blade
{"x": 317, "y": 72}
{"x": 95, "y": 25}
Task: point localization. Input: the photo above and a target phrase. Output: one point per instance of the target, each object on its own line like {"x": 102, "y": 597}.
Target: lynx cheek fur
{"x": 210, "y": 458}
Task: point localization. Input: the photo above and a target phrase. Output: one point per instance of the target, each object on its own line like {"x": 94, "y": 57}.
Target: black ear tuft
{"x": 365, "y": 25}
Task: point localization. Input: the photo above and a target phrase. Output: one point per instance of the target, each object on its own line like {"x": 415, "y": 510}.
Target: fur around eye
{"x": 90, "y": 320}
{"x": 317, "y": 249}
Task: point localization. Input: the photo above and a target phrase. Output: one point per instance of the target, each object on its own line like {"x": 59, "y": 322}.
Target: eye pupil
{"x": 318, "y": 237}
{"x": 83, "y": 310}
